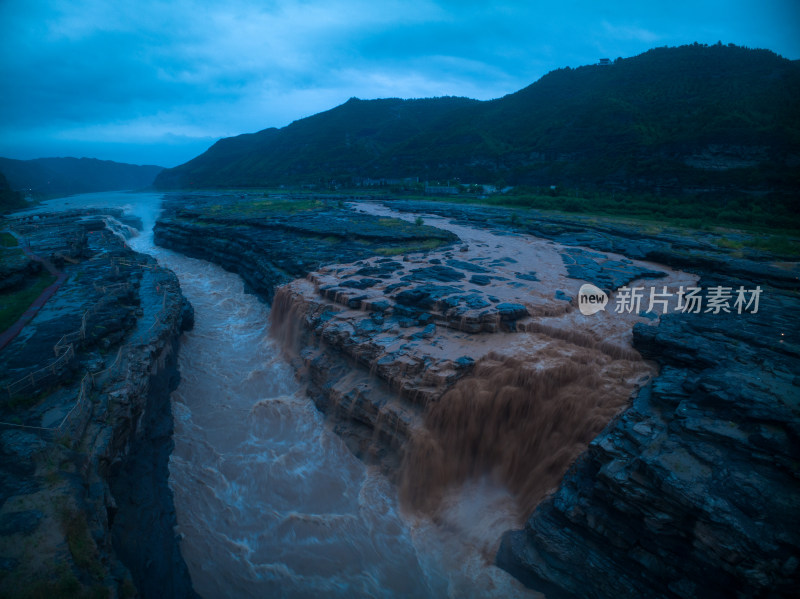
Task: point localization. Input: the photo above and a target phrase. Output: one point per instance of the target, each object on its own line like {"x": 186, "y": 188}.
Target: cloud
{"x": 628, "y": 32}
{"x": 98, "y": 74}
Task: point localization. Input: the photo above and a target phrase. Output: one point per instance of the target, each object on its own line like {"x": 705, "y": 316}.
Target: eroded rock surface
{"x": 693, "y": 491}
{"x": 459, "y": 377}
{"x": 271, "y": 241}
{"x": 85, "y": 506}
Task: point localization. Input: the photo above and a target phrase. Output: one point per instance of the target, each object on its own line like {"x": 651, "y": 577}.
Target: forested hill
{"x": 9, "y": 199}
{"x": 51, "y": 176}
{"x": 692, "y": 118}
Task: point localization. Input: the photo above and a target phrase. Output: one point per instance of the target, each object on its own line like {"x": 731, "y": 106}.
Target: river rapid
{"x": 269, "y": 501}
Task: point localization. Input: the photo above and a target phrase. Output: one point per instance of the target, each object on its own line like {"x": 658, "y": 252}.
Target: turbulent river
{"x": 269, "y": 501}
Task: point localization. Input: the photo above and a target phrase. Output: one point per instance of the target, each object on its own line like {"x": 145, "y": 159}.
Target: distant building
{"x": 369, "y": 182}
{"x": 441, "y": 189}
{"x": 604, "y": 61}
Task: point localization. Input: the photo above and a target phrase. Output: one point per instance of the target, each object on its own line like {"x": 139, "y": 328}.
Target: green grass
{"x": 14, "y": 304}
{"x": 66, "y": 587}
{"x": 778, "y": 244}
{"x": 7, "y": 240}
{"x": 422, "y": 246}
{"x": 79, "y": 541}
{"x": 393, "y": 223}
{"x": 731, "y": 244}
{"x": 60, "y": 581}
{"x": 763, "y": 231}
{"x": 24, "y": 401}
{"x": 683, "y": 212}
{"x": 251, "y": 208}
{"x": 13, "y": 259}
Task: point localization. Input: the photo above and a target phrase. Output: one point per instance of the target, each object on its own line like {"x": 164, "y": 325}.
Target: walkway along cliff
{"x": 84, "y": 450}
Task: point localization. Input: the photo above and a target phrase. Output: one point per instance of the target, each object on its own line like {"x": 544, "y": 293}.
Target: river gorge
{"x": 403, "y": 399}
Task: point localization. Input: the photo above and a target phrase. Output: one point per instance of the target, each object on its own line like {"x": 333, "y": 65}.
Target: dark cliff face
{"x": 693, "y": 491}
{"x": 100, "y": 517}
{"x": 142, "y": 522}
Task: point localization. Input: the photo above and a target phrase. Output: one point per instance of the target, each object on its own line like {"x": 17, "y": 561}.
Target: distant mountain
{"x": 348, "y": 141}
{"x": 683, "y": 119}
{"x": 49, "y": 176}
{"x": 9, "y": 199}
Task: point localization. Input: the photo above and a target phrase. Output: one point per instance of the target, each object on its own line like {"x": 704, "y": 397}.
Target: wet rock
{"x": 509, "y": 311}
{"x": 424, "y": 319}
{"x": 605, "y": 273}
{"x": 529, "y": 276}
{"x": 468, "y": 266}
{"x": 379, "y": 306}
{"x": 424, "y": 296}
{"x": 355, "y": 302}
{"x": 360, "y": 283}
{"x": 69, "y": 473}
{"x": 8, "y": 564}
{"x": 560, "y": 295}
{"x": 187, "y": 316}
{"x": 367, "y": 326}
{"x": 480, "y": 280}
{"x": 271, "y": 251}
{"x": 380, "y": 269}
{"x": 471, "y": 301}
{"x": 465, "y": 362}
{"x": 24, "y": 522}
{"x": 21, "y": 444}
{"x": 692, "y": 491}
{"x": 443, "y": 274}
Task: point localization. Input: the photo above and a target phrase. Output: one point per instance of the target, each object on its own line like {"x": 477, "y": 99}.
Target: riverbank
{"x": 78, "y": 517}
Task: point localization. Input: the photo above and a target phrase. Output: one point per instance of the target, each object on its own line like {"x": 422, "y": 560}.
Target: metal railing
{"x": 64, "y": 350}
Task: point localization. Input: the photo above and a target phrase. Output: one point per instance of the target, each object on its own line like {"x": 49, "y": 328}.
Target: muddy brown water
{"x": 270, "y": 502}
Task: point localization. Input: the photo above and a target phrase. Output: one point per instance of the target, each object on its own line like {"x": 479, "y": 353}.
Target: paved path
{"x": 8, "y": 335}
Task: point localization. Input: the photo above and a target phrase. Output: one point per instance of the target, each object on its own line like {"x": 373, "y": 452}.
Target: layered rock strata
{"x": 86, "y": 507}
{"x": 694, "y": 490}
{"x": 269, "y": 242}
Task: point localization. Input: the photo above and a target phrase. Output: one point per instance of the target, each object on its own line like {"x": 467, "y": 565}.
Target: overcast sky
{"x": 158, "y": 81}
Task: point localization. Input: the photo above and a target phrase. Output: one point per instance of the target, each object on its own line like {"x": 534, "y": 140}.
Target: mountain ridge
{"x": 688, "y": 118}
{"x": 68, "y": 175}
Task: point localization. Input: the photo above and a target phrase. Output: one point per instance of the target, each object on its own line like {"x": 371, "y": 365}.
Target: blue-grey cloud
{"x": 154, "y": 81}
